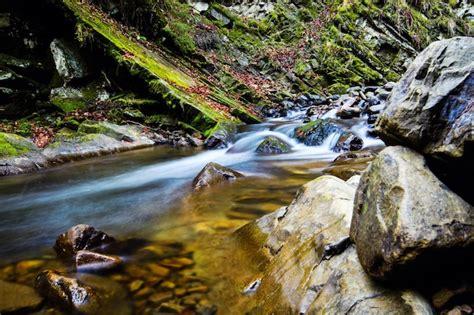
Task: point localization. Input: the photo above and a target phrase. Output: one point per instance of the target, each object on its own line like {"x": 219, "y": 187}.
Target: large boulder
{"x": 431, "y": 107}
{"x": 312, "y": 267}
{"x": 405, "y": 220}
{"x": 273, "y": 145}
{"x": 80, "y": 237}
{"x": 87, "y": 295}
{"x": 213, "y": 174}
{"x": 18, "y": 298}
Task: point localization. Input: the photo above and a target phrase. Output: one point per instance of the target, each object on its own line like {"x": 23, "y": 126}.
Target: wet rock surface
{"x": 349, "y": 164}
{"x": 317, "y": 132}
{"x": 16, "y": 298}
{"x": 87, "y": 295}
{"x": 80, "y": 237}
{"x": 312, "y": 266}
{"x": 406, "y": 220}
{"x": 91, "y": 261}
{"x": 213, "y": 174}
{"x": 273, "y": 145}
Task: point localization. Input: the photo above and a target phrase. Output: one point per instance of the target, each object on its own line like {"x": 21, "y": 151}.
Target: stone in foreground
{"x": 213, "y": 174}
{"x": 78, "y": 238}
{"x": 406, "y": 219}
{"x": 86, "y": 295}
{"x": 312, "y": 267}
{"x": 18, "y": 298}
{"x": 431, "y": 107}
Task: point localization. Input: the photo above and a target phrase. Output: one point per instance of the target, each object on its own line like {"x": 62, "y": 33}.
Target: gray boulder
{"x": 430, "y": 109}
{"x": 405, "y": 220}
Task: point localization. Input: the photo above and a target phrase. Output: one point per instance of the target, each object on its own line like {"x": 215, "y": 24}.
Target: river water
{"x": 146, "y": 194}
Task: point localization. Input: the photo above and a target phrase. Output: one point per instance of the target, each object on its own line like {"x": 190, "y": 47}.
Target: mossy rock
{"x": 12, "y": 145}
{"x": 316, "y": 132}
{"x": 273, "y": 145}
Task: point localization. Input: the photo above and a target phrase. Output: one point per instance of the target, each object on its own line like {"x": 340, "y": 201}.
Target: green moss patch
{"x": 12, "y": 145}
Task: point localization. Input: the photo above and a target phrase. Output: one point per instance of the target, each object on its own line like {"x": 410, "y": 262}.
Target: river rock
{"x": 316, "y": 132}
{"x": 358, "y": 155}
{"x": 86, "y": 295}
{"x": 349, "y": 164}
{"x": 80, "y": 237}
{"x": 91, "y": 261}
{"x": 431, "y": 107}
{"x": 273, "y": 145}
{"x": 213, "y": 174}
{"x": 18, "y": 298}
{"x": 221, "y": 138}
{"x": 312, "y": 267}
{"x": 68, "y": 61}
{"x": 348, "y": 142}
{"x": 406, "y": 220}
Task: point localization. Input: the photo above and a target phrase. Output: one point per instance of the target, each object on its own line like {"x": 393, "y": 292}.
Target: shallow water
{"x": 146, "y": 194}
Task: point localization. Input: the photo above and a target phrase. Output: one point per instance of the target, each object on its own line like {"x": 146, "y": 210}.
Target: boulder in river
{"x": 273, "y": 145}
{"x": 80, "y": 237}
{"x": 87, "y": 295}
{"x": 406, "y": 220}
{"x": 431, "y": 108}
{"x": 18, "y": 298}
{"x": 91, "y": 261}
{"x": 312, "y": 267}
{"x": 316, "y": 132}
{"x": 212, "y": 174}
{"x": 221, "y": 137}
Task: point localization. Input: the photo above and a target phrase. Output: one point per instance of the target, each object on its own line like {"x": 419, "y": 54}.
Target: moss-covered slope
{"x": 167, "y": 78}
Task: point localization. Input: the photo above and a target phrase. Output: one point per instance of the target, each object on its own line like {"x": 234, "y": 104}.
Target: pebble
{"x": 177, "y": 262}
{"x": 29, "y": 265}
{"x": 180, "y": 292}
{"x": 158, "y": 270}
{"x": 135, "y": 285}
{"x": 198, "y": 289}
{"x": 160, "y": 297}
{"x": 171, "y": 308}
{"x": 168, "y": 285}
{"x": 146, "y": 291}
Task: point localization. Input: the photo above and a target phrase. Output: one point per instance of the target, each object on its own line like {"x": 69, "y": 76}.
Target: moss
{"x": 67, "y": 104}
{"x": 12, "y": 145}
{"x": 179, "y": 34}
{"x": 166, "y": 78}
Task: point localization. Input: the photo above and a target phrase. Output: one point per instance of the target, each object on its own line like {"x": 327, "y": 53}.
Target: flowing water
{"x": 147, "y": 194}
